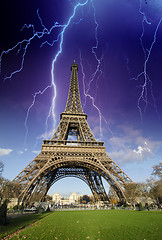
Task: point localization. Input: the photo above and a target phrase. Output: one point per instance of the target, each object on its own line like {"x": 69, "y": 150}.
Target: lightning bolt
{"x": 86, "y": 94}
{"x": 58, "y": 53}
{"x": 97, "y": 70}
{"x": 22, "y": 46}
{"x": 28, "y": 111}
{"x": 96, "y": 74}
{"x": 143, "y": 98}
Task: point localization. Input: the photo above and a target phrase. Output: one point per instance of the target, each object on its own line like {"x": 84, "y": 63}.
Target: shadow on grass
{"x": 20, "y": 222}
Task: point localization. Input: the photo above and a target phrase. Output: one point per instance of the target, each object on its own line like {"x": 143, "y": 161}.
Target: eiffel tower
{"x": 72, "y": 151}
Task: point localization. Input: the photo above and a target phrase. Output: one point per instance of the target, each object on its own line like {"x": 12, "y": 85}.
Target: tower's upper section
{"x": 73, "y": 103}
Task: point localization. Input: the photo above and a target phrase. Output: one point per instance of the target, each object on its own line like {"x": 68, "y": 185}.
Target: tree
{"x": 113, "y": 201}
{"x": 157, "y": 171}
{"x": 3, "y": 213}
{"x": 155, "y": 190}
{"x": 1, "y": 168}
{"x": 2, "y": 186}
{"x": 142, "y": 190}
{"x": 9, "y": 189}
{"x": 132, "y": 192}
{"x": 85, "y": 199}
{"x": 155, "y": 184}
{"x": 152, "y": 188}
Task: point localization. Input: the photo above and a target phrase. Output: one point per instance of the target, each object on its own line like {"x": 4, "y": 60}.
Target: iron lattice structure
{"x": 72, "y": 151}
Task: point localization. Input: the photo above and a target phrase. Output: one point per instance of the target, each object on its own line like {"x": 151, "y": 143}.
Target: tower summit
{"x": 72, "y": 151}
{"x": 73, "y": 103}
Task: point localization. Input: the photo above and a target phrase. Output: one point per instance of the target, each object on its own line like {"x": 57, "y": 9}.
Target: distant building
{"x": 56, "y": 198}
{"x": 73, "y": 198}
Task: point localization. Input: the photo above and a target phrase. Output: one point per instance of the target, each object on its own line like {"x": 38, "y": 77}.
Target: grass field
{"x": 19, "y": 223}
{"x": 97, "y": 224}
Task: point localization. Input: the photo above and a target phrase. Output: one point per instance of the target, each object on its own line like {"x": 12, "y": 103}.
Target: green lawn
{"x": 17, "y": 223}
{"x": 97, "y": 224}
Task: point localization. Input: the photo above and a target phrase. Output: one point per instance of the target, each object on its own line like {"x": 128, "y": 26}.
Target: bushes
{"x": 15, "y": 207}
{"x": 18, "y": 207}
{"x": 3, "y": 213}
{"x": 40, "y": 209}
{"x": 112, "y": 206}
{"x": 140, "y": 207}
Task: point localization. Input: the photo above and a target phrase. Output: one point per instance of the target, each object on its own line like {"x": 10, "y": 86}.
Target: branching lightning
{"x": 23, "y": 46}
{"x": 28, "y": 111}
{"x": 144, "y": 74}
{"x": 98, "y": 70}
{"x": 94, "y": 48}
{"x": 57, "y": 55}
{"x": 86, "y": 94}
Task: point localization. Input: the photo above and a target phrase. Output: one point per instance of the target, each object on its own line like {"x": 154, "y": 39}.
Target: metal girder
{"x": 83, "y": 157}
{"x": 73, "y": 103}
{"x": 72, "y": 159}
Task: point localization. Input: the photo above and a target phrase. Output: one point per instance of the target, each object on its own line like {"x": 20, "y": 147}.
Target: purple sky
{"x": 122, "y": 40}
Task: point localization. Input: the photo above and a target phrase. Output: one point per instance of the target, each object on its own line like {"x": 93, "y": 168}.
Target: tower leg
{"x": 96, "y": 186}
